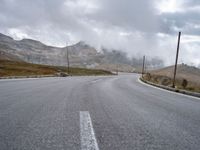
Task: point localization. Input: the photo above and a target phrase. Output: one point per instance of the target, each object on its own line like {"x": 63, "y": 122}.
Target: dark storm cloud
{"x": 191, "y": 3}
{"x": 128, "y": 14}
{"x": 185, "y": 21}
{"x": 134, "y": 26}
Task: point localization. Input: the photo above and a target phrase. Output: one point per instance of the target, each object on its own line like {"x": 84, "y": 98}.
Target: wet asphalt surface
{"x": 43, "y": 114}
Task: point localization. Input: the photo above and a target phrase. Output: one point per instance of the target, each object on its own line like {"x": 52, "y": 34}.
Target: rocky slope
{"x": 33, "y": 51}
{"x": 80, "y": 54}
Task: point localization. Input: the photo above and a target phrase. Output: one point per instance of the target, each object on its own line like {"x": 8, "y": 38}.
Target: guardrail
{"x": 172, "y": 89}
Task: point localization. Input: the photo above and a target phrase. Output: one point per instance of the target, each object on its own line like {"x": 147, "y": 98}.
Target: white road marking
{"x": 180, "y": 94}
{"x": 87, "y": 135}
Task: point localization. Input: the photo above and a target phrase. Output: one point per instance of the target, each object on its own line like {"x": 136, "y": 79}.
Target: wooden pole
{"x": 176, "y": 61}
{"x": 68, "y": 71}
{"x": 143, "y": 66}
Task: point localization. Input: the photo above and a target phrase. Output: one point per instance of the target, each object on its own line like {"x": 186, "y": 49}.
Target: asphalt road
{"x": 106, "y": 113}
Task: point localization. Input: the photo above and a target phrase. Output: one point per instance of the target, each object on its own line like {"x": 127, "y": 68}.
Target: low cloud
{"x": 135, "y": 27}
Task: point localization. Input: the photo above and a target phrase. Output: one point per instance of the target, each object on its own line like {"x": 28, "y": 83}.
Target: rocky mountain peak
{"x": 5, "y": 37}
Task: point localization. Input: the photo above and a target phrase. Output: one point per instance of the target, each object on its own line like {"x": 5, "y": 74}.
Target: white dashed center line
{"x": 88, "y": 140}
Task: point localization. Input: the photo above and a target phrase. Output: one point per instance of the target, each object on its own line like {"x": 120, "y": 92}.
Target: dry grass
{"x": 17, "y": 68}
{"x": 164, "y": 77}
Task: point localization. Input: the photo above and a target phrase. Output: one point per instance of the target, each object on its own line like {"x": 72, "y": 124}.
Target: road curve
{"x": 44, "y": 114}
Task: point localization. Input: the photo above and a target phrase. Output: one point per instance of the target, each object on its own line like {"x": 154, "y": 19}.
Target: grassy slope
{"x": 164, "y": 77}
{"x": 17, "y": 68}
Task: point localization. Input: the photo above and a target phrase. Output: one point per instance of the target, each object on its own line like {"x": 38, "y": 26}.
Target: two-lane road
{"x": 105, "y": 113}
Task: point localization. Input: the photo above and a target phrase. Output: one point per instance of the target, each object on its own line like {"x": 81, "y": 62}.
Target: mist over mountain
{"x": 80, "y": 55}
{"x": 137, "y": 27}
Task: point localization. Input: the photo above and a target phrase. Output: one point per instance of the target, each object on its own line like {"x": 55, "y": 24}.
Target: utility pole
{"x": 175, "y": 68}
{"x": 143, "y": 66}
{"x": 67, "y": 60}
{"x": 117, "y": 69}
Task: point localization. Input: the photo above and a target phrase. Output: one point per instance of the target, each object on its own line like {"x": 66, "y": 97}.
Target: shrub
{"x": 147, "y": 76}
{"x": 184, "y": 83}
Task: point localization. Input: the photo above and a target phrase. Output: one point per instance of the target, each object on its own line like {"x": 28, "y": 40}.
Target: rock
{"x": 62, "y": 74}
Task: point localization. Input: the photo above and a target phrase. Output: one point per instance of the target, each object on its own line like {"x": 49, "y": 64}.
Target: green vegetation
{"x": 19, "y": 68}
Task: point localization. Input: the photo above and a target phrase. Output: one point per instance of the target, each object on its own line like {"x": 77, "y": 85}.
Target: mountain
{"x": 32, "y": 51}
{"x": 80, "y": 55}
{"x": 7, "y": 56}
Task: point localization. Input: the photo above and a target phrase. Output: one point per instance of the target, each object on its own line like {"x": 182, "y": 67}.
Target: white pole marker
{"x": 87, "y": 135}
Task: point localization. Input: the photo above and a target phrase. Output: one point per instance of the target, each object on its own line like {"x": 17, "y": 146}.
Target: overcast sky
{"x": 137, "y": 27}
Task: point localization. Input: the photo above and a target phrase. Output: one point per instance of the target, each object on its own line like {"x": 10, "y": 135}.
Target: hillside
{"x": 164, "y": 76}
{"x": 20, "y": 68}
{"x": 34, "y": 51}
{"x": 17, "y": 58}
{"x": 7, "y": 56}
{"x": 80, "y": 55}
